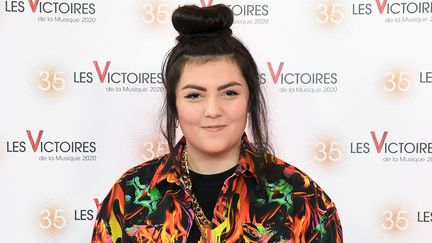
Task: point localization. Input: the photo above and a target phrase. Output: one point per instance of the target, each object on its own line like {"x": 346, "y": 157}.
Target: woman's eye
{"x": 231, "y": 93}
{"x": 193, "y": 96}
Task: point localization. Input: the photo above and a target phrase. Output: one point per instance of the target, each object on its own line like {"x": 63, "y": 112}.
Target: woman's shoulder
{"x": 310, "y": 205}
{"x": 278, "y": 171}
{"x": 144, "y": 171}
{"x": 302, "y": 189}
{"x": 281, "y": 167}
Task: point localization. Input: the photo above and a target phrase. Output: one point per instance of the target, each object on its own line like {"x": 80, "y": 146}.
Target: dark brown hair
{"x": 205, "y": 35}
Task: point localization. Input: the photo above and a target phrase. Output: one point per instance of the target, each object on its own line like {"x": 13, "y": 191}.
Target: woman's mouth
{"x": 215, "y": 128}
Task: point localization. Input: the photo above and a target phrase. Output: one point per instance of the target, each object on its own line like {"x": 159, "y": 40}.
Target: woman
{"x": 215, "y": 185}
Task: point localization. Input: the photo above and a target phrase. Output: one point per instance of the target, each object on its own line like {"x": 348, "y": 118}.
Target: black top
{"x": 206, "y": 189}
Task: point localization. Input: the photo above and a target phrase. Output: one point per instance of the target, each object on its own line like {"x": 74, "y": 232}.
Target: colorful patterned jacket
{"x": 265, "y": 200}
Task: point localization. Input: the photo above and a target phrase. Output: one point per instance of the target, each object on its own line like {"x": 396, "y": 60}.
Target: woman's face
{"x": 212, "y": 105}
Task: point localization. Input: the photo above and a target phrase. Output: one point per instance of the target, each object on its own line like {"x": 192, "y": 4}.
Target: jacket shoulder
{"x": 144, "y": 171}
{"x": 278, "y": 169}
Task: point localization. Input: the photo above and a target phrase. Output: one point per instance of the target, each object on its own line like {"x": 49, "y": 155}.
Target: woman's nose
{"x": 213, "y": 107}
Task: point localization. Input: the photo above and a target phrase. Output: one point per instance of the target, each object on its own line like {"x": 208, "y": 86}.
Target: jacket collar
{"x": 170, "y": 167}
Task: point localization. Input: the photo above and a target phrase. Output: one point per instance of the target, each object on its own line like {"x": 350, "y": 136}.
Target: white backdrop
{"x": 348, "y": 85}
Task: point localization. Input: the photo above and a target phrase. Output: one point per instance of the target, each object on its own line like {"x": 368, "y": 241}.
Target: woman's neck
{"x": 208, "y": 164}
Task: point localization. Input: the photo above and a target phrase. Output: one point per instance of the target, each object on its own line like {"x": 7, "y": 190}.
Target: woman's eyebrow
{"x": 194, "y": 86}
{"x": 228, "y": 85}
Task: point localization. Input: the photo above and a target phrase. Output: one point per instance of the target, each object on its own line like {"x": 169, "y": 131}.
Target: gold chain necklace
{"x": 201, "y": 220}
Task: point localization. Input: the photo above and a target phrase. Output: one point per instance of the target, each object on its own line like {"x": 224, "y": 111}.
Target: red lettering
{"x": 103, "y": 74}
{"x": 34, "y": 144}
{"x": 380, "y": 5}
{"x": 33, "y": 5}
{"x": 274, "y": 75}
{"x": 209, "y": 3}
{"x": 97, "y": 203}
{"x": 379, "y": 145}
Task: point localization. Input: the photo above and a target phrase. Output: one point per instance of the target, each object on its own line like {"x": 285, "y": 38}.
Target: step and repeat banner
{"x": 348, "y": 83}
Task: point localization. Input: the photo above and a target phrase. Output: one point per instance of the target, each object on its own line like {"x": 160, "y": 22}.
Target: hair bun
{"x": 193, "y": 20}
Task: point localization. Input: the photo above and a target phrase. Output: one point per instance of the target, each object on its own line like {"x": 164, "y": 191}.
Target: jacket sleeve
{"x": 316, "y": 219}
{"x": 110, "y": 218}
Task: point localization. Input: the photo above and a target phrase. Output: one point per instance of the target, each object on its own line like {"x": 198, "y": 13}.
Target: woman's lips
{"x": 216, "y": 128}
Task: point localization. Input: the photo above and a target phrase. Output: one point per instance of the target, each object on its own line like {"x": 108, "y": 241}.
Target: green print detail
{"x": 129, "y": 228}
{"x": 140, "y": 190}
{"x": 256, "y": 232}
{"x": 262, "y": 230}
{"x": 320, "y": 227}
{"x": 260, "y": 202}
{"x": 283, "y": 188}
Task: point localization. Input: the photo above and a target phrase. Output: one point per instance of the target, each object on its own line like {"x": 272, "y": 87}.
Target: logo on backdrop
{"x": 299, "y": 82}
{"x": 53, "y": 150}
{"x": 424, "y": 216}
{"x": 155, "y": 13}
{"x": 400, "y": 81}
{"x": 393, "y": 150}
{"x": 152, "y": 148}
{"x": 245, "y": 13}
{"x": 396, "y": 219}
{"x": 56, "y": 218}
{"x": 328, "y": 151}
{"x": 395, "y": 12}
{"x": 87, "y": 214}
{"x": 105, "y": 73}
{"x": 330, "y": 13}
{"x": 54, "y": 11}
{"x": 397, "y": 82}
{"x": 425, "y": 77}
